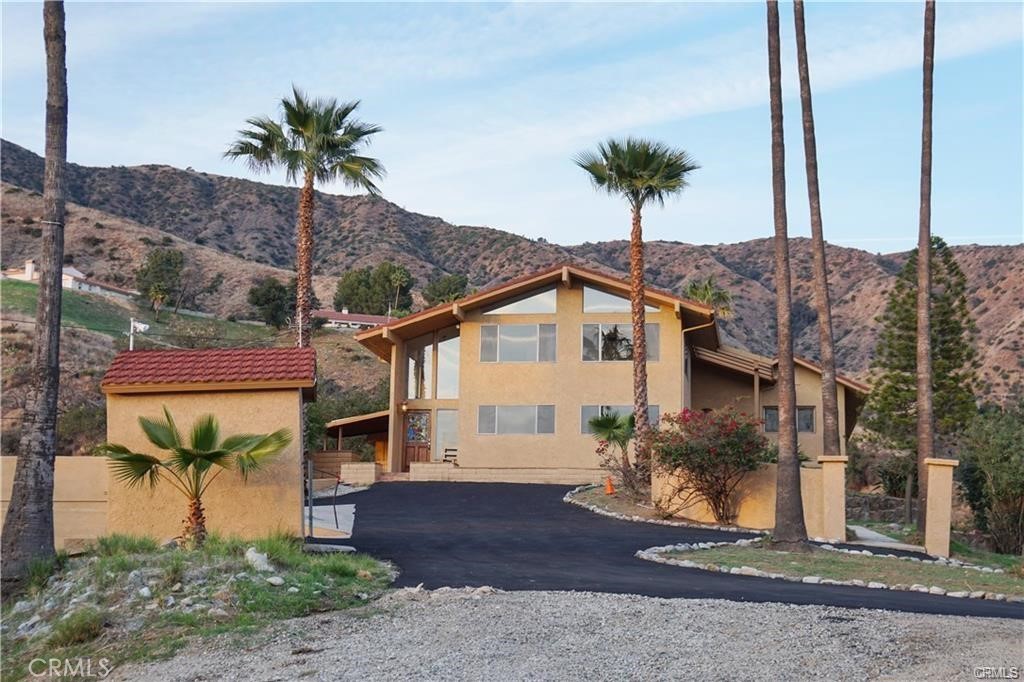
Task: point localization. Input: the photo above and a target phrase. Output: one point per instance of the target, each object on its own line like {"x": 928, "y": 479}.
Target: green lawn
{"x": 958, "y": 550}
{"x": 838, "y": 566}
{"x": 111, "y": 317}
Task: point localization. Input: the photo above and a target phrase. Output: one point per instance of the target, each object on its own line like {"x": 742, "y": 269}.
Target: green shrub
{"x": 712, "y": 452}
{"x": 40, "y": 570}
{"x": 993, "y": 475}
{"x": 892, "y": 474}
{"x": 80, "y": 627}
{"x": 112, "y": 545}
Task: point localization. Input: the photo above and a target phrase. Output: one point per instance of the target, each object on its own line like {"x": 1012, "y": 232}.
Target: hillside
{"x": 245, "y": 229}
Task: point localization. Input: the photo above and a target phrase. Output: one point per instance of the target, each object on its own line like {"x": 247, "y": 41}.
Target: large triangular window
{"x": 598, "y": 301}
{"x": 537, "y": 303}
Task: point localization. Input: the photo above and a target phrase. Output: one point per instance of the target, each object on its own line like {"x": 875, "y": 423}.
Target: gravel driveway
{"x": 455, "y": 635}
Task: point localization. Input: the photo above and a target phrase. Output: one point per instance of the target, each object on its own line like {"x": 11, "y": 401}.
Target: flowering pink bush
{"x": 711, "y": 451}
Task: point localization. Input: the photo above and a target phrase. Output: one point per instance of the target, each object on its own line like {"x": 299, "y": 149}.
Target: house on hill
{"x": 71, "y": 278}
{"x": 346, "y": 320}
{"x": 501, "y": 385}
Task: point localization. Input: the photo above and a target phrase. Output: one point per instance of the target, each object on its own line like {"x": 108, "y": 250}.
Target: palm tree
{"x": 188, "y": 467}
{"x": 316, "y": 140}
{"x": 643, "y": 172}
{"x": 617, "y": 430}
{"x": 28, "y": 526}
{"x": 708, "y": 292}
{"x": 789, "y": 508}
{"x": 829, "y": 400}
{"x": 925, "y": 415}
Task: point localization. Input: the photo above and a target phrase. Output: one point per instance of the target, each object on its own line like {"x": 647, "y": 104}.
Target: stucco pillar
{"x": 833, "y": 496}
{"x": 939, "y": 508}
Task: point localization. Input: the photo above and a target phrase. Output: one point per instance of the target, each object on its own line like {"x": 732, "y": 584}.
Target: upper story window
{"x": 420, "y": 366}
{"x": 804, "y": 419}
{"x": 588, "y": 412}
{"x": 537, "y": 303}
{"x": 517, "y": 343}
{"x": 442, "y": 349}
{"x": 598, "y": 301}
{"x": 614, "y": 341}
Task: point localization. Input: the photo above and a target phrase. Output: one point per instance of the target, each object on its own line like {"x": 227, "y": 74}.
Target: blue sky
{"x": 484, "y": 105}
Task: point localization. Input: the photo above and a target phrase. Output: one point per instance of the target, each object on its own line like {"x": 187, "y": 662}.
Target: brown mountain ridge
{"x": 245, "y": 230}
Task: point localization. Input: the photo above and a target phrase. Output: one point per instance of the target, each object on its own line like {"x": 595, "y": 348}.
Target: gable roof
{"x": 210, "y": 369}
{"x": 447, "y": 314}
{"x": 742, "y": 360}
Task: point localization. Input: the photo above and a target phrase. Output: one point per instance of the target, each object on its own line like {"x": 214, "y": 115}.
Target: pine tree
{"x": 891, "y": 411}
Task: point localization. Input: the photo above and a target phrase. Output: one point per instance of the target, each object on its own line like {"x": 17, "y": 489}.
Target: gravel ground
{"x": 461, "y": 635}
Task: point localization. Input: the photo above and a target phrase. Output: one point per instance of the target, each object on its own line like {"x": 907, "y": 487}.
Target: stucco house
{"x": 343, "y": 319}
{"x": 71, "y": 278}
{"x": 500, "y": 385}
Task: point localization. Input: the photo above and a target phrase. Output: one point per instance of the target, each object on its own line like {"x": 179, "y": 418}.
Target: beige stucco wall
{"x": 271, "y": 500}
{"x": 714, "y": 387}
{"x": 808, "y": 393}
{"x": 443, "y": 471}
{"x": 756, "y": 499}
{"x": 79, "y": 498}
{"x": 568, "y": 384}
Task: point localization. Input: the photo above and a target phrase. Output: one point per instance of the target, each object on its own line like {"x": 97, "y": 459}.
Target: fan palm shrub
{"x": 191, "y": 467}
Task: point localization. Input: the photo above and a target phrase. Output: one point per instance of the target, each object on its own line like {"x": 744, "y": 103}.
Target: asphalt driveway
{"x": 524, "y": 537}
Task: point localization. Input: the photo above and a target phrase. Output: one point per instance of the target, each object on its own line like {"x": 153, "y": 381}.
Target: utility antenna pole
{"x": 135, "y": 326}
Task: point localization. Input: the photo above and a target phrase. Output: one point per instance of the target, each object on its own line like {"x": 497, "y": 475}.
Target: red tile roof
{"x": 199, "y": 368}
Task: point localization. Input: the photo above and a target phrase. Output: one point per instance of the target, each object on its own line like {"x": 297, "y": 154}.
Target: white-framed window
{"x": 612, "y": 342}
{"x": 518, "y": 342}
{"x": 588, "y": 412}
{"x": 537, "y": 303}
{"x": 446, "y": 433}
{"x": 515, "y": 419}
{"x": 599, "y": 301}
{"x": 804, "y": 419}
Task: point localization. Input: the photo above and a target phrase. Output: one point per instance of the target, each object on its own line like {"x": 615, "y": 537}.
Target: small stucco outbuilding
{"x": 249, "y": 390}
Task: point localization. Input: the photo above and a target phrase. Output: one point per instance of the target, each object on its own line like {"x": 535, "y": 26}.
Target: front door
{"x": 417, "y": 438}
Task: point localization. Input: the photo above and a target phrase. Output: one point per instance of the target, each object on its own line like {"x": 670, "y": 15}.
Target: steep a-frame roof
{"x": 691, "y": 313}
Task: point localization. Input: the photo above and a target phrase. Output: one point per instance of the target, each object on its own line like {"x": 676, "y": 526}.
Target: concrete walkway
{"x": 870, "y": 538}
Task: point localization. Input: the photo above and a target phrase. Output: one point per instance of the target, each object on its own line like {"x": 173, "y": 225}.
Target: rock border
{"x": 656, "y": 554}
{"x": 570, "y": 497}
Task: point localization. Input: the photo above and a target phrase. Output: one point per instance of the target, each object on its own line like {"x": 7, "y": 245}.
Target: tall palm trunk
{"x": 925, "y": 416}
{"x": 789, "y": 509}
{"x": 194, "y": 534}
{"x": 636, "y": 297}
{"x": 304, "y": 262}
{"x": 829, "y": 400}
{"x": 28, "y": 526}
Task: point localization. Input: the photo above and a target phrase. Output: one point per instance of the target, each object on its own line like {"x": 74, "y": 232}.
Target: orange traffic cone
{"x": 609, "y": 489}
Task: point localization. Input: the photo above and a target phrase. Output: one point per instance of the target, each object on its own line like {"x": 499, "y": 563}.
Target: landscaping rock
{"x": 293, "y": 590}
{"x": 176, "y": 587}
{"x": 22, "y": 607}
{"x": 258, "y": 560}
{"x": 876, "y": 585}
{"x": 276, "y": 580}
{"x": 957, "y": 595}
{"x": 811, "y": 579}
{"x": 217, "y": 612}
{"x": 145, "y": 592}
{"x": 936, "y": 590}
